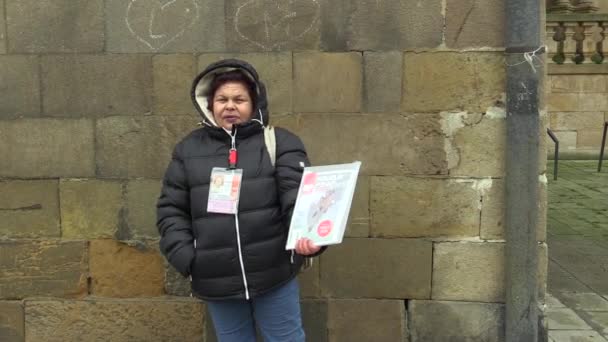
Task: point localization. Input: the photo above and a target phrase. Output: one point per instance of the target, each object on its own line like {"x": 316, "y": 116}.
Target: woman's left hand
{"x": 306, "y": 247}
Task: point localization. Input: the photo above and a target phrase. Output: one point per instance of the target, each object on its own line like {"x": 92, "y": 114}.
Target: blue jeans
{"x": 276, "y": 313}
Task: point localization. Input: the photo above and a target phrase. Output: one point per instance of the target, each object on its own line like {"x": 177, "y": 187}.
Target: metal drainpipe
{"x": 522, "y": 172}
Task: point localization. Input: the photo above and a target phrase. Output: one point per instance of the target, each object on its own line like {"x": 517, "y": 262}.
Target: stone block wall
{"x": 96, "y": 93}
{"x": 578, "y": 108}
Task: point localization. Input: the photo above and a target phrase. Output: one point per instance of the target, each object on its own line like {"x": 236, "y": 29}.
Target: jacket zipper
{"x": 238, "y": 241}
{"x": 236, "y": 220}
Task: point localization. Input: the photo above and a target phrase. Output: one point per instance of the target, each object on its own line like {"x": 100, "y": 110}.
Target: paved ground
{"x": 577, "y": 235}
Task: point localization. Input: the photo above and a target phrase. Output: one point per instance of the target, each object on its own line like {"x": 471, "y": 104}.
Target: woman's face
{"x": 231, "y": 104}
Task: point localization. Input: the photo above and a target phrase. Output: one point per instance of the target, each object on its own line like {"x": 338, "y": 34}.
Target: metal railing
{"x": 599, "y": 166}
{"x": 556, "y": 156}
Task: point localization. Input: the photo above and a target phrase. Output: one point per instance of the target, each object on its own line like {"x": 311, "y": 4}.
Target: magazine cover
{"x": 323, "y": 204}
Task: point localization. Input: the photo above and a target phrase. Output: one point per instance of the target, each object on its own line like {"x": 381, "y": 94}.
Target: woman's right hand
{"x": 306, "y": 247}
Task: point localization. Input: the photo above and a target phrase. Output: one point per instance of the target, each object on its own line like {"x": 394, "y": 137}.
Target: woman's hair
{"x": 231, "y": 76}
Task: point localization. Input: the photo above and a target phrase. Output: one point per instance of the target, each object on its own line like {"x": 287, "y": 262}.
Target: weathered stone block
{"x": 309, "y": 280}
{"x": 175, "y": 283}
{"x": 366, "y": 320}
{"x": 43, "y": 27}
{"x": 543, "y": 270}
{"x": 49, "y": 268}
{"x": 593, "y": 83}
{"x": 173, "y": 26}
{"x": 574, "y": 121}
{"x": 12, "y": 318}
{"x": 493, "y": 210}
{"x": 130, "y": 147}
{"x": 563, "y": 102}
{"x": 543, "y": 141}
{"x": 51, "y": 148}
{"x": 542, "y": 209}
{"x": 327, "y": 82}
{"x": 480, "y": 145}
{"x": 90, "y": 209}
{"x": 272, "y": 26}
{"x": 20, "y": 84}
{"x": 2, "y": 29}
{"x": 382, "y": 81}
{"x": 468, "y": 272}
{"x": 394, "y": 25}
{"x": 592, "y": 102}
{"x": 314, "y": 319}
{"x": 96, "y": 85}
{"x": 142, "y": 276}
{"x": 435, "y": 321}
{"x": 441, "y": 81}
{"x": 401, "y": 268}
{"x": 115, "y": 320}
{"x": 491, "y": 80}
{"x": 142, "y": 196}
{"x": 542, "y": 86}
{"x": 418, "y": 207}
{"x": 274, "y": 69}
{"x": 474, "y": 24}
{"x": 418, "y": 148}
{"x": 578, "y": 83}
{"x": 359, "y": 219}
{"x": 140, "y": 213}
{"x": 29, "y": 209}
{"x": 564, "y": 83}
{"x": 173, "y": 75}
{"x": 334, "y": 25}
{"x": 587, "y": 138}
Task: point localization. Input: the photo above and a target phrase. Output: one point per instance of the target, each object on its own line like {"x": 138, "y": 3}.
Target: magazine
{"x": 323, "y": 204}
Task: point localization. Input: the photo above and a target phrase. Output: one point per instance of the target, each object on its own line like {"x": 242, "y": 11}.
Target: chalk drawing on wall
{"x": 152, "y": 22}
{"x": 269, "y": 24}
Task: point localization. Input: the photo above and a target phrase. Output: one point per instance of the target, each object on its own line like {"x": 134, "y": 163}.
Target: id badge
{"x": 224, "y": 190}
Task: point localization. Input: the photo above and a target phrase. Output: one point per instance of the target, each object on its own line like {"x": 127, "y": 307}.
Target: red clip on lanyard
{"x": 233, "y": 155}
{"x": 232, "y": 158}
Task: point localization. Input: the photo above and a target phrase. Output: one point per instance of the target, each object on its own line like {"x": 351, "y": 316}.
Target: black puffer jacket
{"x": 231, "y": 257}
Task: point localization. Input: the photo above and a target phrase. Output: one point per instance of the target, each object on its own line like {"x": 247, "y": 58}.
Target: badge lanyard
{"x": 225, "y": 184}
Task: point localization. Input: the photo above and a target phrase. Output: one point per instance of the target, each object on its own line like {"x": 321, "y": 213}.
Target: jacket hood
{"x": 201, "y": 88}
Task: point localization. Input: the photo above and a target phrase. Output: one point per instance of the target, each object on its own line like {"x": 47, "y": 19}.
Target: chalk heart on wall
{"x": 269, "y": 24}
{"x": 156, "y": 23}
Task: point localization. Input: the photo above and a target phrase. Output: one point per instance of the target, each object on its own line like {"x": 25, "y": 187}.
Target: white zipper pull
{"x": 233, "y": 139}
{"x": 232, "y": 155}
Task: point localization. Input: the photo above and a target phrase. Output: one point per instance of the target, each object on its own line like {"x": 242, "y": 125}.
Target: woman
{"x": 236, "y": 261}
